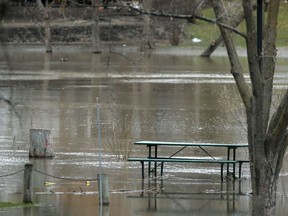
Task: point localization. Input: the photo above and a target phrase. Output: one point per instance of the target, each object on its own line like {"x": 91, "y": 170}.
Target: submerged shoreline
{"x": 192, "y": 50}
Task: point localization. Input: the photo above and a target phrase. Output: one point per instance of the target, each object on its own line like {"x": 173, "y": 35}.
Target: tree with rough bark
{"x": 267, "y": 134}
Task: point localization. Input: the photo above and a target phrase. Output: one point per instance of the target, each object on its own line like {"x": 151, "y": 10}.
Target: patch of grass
{"x": 11, "y": 205}
{"x": 208, "y": 32}
{"x": 282, "y": 39}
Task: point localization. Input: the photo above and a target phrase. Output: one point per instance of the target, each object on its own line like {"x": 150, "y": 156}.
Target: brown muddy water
{"x": 152, "y": 96}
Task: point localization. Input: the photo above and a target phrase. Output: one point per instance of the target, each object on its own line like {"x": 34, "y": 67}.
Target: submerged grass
{"x": 119, "y": 143}
{"x": 12, "y": 204}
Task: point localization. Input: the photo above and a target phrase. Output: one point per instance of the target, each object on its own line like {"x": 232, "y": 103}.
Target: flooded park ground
{"x": 167, "y": 96}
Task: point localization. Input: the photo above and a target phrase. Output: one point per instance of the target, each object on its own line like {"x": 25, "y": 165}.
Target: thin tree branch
{"x": 189, "y": 17}
{"x": 236, "y": 68}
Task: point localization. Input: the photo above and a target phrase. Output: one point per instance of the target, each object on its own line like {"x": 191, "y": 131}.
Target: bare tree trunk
{"x": 147, "y": 40}
{"x": 264, "y": 195}
{"x": 47, "y": 30}
{"x": 96, "y": 41}
{"x": 212, "y": 47}
{"x": 267, "y": 137}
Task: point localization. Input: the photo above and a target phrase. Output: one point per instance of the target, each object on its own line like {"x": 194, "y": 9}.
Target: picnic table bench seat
{"x": 163, "y": 160}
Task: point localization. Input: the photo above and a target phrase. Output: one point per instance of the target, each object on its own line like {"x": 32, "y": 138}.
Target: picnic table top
{"x": 159, "y": 143}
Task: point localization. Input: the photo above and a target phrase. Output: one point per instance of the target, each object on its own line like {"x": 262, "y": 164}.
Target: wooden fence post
{"x": 40, "y": 143}
{"x": 27, "y": 193}
{"x": 103, "y": 188}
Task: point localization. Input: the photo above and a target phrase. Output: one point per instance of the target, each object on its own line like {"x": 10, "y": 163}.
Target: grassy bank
{"x": 208, "y": 32}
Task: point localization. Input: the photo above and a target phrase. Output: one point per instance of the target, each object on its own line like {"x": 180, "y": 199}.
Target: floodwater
{"x": 151, "y": 96}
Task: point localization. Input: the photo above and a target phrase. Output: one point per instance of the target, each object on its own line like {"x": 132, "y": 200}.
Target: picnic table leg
{"x": 234, "y": 165}
{"x": 240, "y": 167}
{"x": 142, "y": 166}
{"x": 228, "y": 158}
{"x": 155, "y": 163}
{"x": 222, "y": 164}
{"x": 149, "y": 163}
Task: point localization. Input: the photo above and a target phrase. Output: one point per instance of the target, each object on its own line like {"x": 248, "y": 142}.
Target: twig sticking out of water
{"x": 120, "y": 143}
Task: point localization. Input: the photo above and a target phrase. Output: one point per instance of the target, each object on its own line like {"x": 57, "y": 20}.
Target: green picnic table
{"x": 153, "y": 157}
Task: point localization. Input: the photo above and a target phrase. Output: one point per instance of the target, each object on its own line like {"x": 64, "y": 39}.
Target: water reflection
{"x": 163, "y": 199}
{"x": 170, "y": 97}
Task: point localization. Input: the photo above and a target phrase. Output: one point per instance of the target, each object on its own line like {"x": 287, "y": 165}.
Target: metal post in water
{"x": 103, "y": 184}
{"x": 102, "y": 178}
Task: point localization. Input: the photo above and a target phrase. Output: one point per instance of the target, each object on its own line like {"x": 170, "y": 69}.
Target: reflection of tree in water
{"x": 3, "y": 10}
